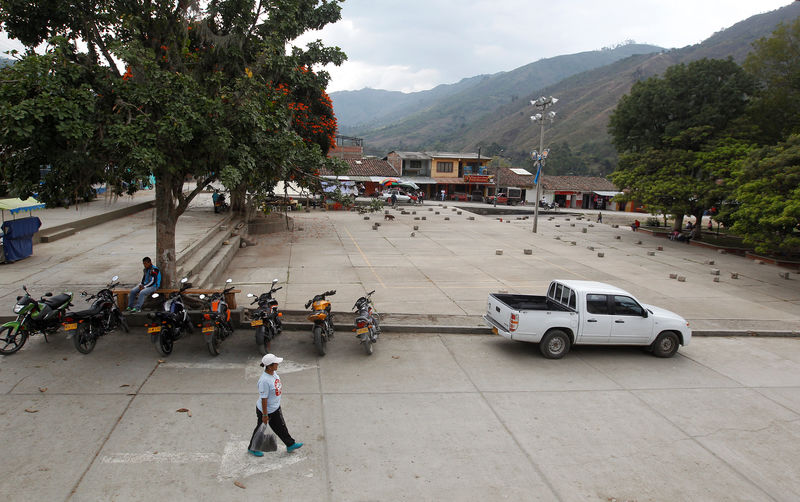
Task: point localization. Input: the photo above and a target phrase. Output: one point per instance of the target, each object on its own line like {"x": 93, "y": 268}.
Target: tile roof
{"x": 366, "y": 167}
{"x": 508, "y": 178}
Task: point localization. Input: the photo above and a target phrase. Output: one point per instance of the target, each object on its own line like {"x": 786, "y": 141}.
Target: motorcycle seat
{"x": 55, "y": 301}
{"x": 87, "y": 313}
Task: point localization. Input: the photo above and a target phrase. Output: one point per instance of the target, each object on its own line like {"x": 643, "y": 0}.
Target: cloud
{"x": 360, "y": 74}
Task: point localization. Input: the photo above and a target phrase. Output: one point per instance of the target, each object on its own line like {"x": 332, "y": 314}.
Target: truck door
{"x": 596, "y": 325}
{"x": 630, "y": 327}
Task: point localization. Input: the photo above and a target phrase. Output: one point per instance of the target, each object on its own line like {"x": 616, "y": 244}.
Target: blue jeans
{"x": 138, "y": 297}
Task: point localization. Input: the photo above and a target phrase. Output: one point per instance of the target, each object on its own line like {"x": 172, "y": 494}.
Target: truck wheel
{"x": 666, "y": 345}
{"x": 554, "y": 345}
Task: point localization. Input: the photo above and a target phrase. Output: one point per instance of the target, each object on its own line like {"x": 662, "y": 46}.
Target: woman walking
{"x": 268, "y": 406}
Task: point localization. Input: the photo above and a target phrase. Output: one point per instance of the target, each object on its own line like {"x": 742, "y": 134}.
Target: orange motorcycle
{"x": 322, "y": 317}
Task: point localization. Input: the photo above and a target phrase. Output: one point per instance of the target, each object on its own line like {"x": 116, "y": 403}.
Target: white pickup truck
{"x": 585, "y": 312}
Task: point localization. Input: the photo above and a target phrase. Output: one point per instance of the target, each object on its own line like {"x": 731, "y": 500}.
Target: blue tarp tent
{"x": 18, "y": 237}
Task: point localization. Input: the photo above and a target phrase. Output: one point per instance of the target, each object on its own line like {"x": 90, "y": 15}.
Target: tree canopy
{"x": 170, "y": 88}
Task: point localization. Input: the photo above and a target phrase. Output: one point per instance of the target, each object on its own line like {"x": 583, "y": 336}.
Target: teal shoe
{"x": 135, "y": 309}
{"x": 294, "y": 447}
{"x": 256, "y": 453}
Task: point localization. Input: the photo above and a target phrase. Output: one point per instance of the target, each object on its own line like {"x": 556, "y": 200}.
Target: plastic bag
{"x": 264, "y": 440}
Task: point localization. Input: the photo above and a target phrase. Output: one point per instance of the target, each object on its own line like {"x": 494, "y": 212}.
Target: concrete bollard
{"x": 709, "y": 262}
{"x": 412, "y": 234}
{"x": 615, "y": 226}
{"x": 498, "y": 252}
{"x": 572, "y": 224}
{"x": 660, "y": 248}
{"x": 590, "y": 248}
{"x": 557, "y": 237}
{"x": 558, "y": 226}
{"x": 721, "y": 251}
{"x": 573, "y": 243}
{"x": 430, "y": 209}
{"x": 716, "y": 279}
{"x": 366, "y": 217}
{"x": 416, "y": 218}
{"x": 527, "y": 251}
{"x": 651, "y": 253}
{"x": 471, "y": 218}
{"x": 386, "y": 211}
{"x": 583, "y": 230}
{"x": 416, "y": 227}
{"x": 458, "y": 212}
{"x": 600, "y": 255}
{"x": 446, "y": 218}
{"x": 673, "y": 276}
{"x": 437, "y": 212}
{"x": 681, "y": 278}
{"x": 734, "y": 275}
{"x": 783, "y": 275}
{"x": 714, "y": 271}
{"x": 617, "y": 237}
{"x": 591, "y": 225}
{"x": 567, "y": 219}
{"x": 424, "y": 217}
{"x": 413, "y": 212}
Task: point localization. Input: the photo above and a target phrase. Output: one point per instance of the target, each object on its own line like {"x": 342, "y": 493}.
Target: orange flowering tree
{"x": 176, "y": 89}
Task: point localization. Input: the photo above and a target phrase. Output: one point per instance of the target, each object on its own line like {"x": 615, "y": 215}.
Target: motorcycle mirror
{"x": 154, "y": 295}
{"x": 228, "y": 281}
{"x": 48, "y": 294}
{"x": 184, "y": 280}
{"x": 274, "y": 281}
{"x": 250, "y": 295}
{"x": 114, "y": 279}
{"x": 83, "y": 293}
{"x": 202, "y": 296}
{"x": 24, "y": 288}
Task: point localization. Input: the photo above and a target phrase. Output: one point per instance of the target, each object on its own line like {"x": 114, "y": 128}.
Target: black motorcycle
{"x": 217, "y": 320}
{"x": 33, "y": 316}
{"x": 322, "y": 317}
{"x": 171, "y": 322}
{"x": 367, "y": 323}
{"x": 266, "y": 318}
{"x": 103, "y": 317}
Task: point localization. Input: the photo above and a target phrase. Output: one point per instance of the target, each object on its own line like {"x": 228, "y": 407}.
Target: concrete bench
{"x": 230, "y": 296}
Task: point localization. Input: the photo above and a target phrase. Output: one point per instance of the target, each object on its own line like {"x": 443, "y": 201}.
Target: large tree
{"x": 130, "y": 88}
{"x": 668, "y": 127}
{"x": 775, "y": 63}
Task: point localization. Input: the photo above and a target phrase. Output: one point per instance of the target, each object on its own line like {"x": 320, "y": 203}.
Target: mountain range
{"x": 492, "y": 111}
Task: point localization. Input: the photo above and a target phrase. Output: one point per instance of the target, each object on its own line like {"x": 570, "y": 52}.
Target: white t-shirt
{"x": 269, "y": 387}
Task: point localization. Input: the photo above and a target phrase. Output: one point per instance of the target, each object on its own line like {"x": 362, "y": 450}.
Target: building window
{"x": 416, "y": 165}
{"x": 444, "y": 167}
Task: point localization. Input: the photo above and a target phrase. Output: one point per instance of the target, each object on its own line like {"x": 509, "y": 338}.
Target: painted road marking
{"x": 234, "y": 463}
{"x": 365, "y": 258}
{"x": 251, "y": 368}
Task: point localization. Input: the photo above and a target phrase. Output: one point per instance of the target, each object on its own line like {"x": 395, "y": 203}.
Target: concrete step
{"x": 215, "y": 266}
{"x": 56, "y": 234}
{"x": 203, "y": 251}
{"x": 189, "y": 254}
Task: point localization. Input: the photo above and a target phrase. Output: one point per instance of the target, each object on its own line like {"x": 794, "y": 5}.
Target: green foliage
{"x": 775, "y": 62}
{"x": 767, "y": 198}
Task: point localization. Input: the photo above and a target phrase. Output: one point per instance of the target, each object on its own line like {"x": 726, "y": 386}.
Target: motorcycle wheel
{"x": 164, "y": 343}
{"x": 214, "y": 342}
{"x": 261, "y": 341}
{"x": 84, "y": 339}
{"x": 10, "y": 340}
{"x": 367, "y": 346}
{"x": 122, "y": 321}
{"x": 319, "y": 341}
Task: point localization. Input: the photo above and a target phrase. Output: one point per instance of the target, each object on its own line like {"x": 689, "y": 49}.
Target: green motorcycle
{"x": 43, "y": 316}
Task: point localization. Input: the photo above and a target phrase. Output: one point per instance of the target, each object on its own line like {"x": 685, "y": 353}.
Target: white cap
{"x": 270, "y": 359}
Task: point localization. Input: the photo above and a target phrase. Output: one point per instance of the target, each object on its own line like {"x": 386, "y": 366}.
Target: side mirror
{"x": 644, "y": 313}
{"x": 250, "y": 295}
{"x": 274, "y": 281}
{"x": 83, "y": 293}
{"x": 48, "y": 294}
{"x": 202, "y": 296}
{"x": 154, "y": 295}
{"x": 115, "y": 278}
{"x": 184, "y": 280}
{"x": 228, "y": 281}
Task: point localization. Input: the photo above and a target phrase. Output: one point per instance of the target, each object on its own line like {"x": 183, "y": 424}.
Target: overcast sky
{"x": 413, "y": 45}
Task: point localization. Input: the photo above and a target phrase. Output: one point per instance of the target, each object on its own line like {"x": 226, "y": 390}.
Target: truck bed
{"x": 529, "y": 302}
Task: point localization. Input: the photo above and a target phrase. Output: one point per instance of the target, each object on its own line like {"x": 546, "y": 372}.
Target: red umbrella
{"x": 390, "y": 182}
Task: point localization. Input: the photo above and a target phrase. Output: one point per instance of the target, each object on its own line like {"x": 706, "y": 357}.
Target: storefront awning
{"x": 606, "y": 193}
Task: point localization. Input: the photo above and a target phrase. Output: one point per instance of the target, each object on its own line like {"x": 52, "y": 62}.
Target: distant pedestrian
{"x": 599, "y": 217}
{"x": 635, "y": 225}
{"x": 421, "y": 197}
{"x": 151, "y": 281}
{"x": 268, "y": 406}
{"x": 443, "y": 194}
{"x": 394, "y": 198}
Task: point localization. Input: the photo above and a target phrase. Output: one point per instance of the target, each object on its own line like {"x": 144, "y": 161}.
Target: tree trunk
{"x": 698, "y": 232}
{"x": 677, "y": 222}
{"x": 166, "y": 220}
{"x": 238, "y": 199}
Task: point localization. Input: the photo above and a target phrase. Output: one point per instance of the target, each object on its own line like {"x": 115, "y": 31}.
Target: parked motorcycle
{"x": 367, "y": 322}
{"x": 322, "y": 317}
{"x": 33, "y": 316}
{"x": 171, "y": 322}
{"x": 217, "y": 321}
{"x": 266, "y": 318}
{"x": 103, "y": 317}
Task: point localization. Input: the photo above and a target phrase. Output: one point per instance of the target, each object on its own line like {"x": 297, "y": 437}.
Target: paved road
{"x": 427, "y": 417}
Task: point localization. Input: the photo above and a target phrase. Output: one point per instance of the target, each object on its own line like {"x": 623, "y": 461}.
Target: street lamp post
{"x": 541, "y": 104}
{"x": 497, "y": 177}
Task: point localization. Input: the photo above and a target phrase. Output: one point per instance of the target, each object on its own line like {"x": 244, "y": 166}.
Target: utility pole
{"x": 541, "y": 104}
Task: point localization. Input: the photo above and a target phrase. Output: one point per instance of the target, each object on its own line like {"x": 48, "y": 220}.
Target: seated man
{"x": 151, "y": 281}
